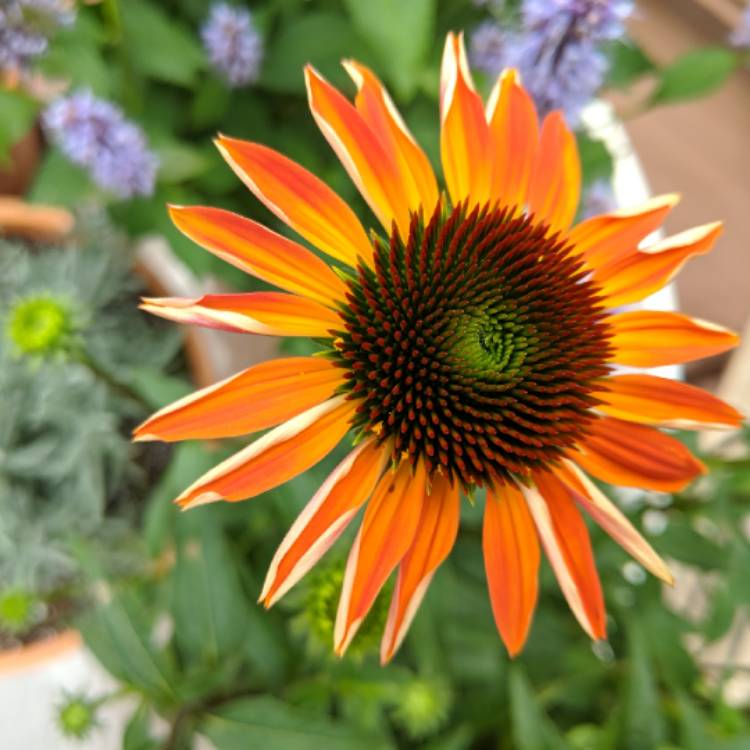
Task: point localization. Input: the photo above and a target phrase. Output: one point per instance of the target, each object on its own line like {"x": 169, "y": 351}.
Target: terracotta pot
{"x": 33, "y": 221}
{"x": 25, "y": 156}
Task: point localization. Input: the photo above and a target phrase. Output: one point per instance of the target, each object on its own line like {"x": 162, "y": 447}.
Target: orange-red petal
{"x": 566, "y": 543}
{"x": 274, "y": 458}
{"x": 605, "y": 238}
{"x": 262, "y": 396}
{"x": 378, "y": 110}
{"x": 268, "y": 313}
{"x": 259, "y": 251}
{"x": 612, "y": 520}
{"x": 324, "y": 519}
{"x": 646, "y": 338}
{"x": 465, "y": 144}
{"x": 438, "y": 526}
{"x": 634, "y": 455}
{"x": 555, "y": 186}
{"x": 511, "y": 563}
{"x": 635, "y": 275}
{"x": 514, "y": 131}
{"x": 648, "y": 399}
{"x": 298, "y": 198}
{"x": 372, "y": 168}
{"x": 388, "y": 528}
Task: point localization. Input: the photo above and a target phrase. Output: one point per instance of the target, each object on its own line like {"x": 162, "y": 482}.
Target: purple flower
{"x": 557, "y": 50}
{"x": 94, "y": 134}
{"x": 233, "y": 44}
{"x": 740, "y": 37}
{"x": 26, "y": 26}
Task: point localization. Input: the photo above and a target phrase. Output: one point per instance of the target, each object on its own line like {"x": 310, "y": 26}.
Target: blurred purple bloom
{"x": 740, "y": 37}
{"x": 598, "y": 198}
{"x": 94, "y": 134}
{"x": 26, "y": 26}
{"x": 557, "y": 50}
{"x": 233, "y": 44}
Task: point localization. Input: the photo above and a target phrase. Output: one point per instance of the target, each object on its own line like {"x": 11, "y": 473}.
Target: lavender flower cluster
{"x": 233, "y": 44}
{"x": 95, "y": 134}
{"x": 26, "y": 26}
{"x": 558, "y": 49}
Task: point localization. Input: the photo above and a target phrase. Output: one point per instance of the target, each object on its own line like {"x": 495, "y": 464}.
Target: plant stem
{"x": 116, "y": 386}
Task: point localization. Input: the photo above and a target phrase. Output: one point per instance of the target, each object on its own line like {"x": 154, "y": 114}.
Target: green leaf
{"x": 693, "y": 735}
{"x": 160, "y": 46}
{"x": 628, "y": 62}
{"x": 210, "y": 104}
{"x": 321, "y": 39}
{"x": 118, "y": 631}
{"x": 208, "y": 603}
{"x": 687, "y": 545}
{"x": 270, "y": 724}
{"x": 532, "y": 729}
{"x": 137, "y": 732}
{"x": 180, "y": 161}
{"x": 157, "y": 388}
{"x": 61, "y": 183}
{"x": 400, "y": 34}
{"x": 596, "y": 161}
{"x": 694, "y": 74}
{"x": 643, "y": 722}
{"x": 17, "y": 115}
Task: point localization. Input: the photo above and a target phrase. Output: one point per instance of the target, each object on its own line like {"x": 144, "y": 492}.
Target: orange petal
{"x": 633, "y": 276}
{"x": 646, "y": 338}
{"x": 298, "y": 198}
{"x": 648, "y": 399}
{"x": 438, "y": 526}
{"x": 371, "y": 167}
{"x": 605, "y": 238}
{"x": 257, "y": 250}
{"x": 324, "y": 519}
{"x": 634, "y": 455}
{"x": 612, "y": 520}
{"x": 275, "y": 458}
{"x": 511, "y": 562}
{"x": 465, "y": 144}
{"x": 515, "y": 134}
{"x": 387, "y": 532}
{"x": 268, "y": 313}
{"x": 566, "y": 543}
{"x": 378, "y": 110}
{"x": 257, "y": 398}
{"x": 555, "y": 185}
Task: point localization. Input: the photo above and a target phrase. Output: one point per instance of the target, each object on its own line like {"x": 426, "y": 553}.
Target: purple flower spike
{"x": 233, "y": 44}
{"x": 94, "y": 134}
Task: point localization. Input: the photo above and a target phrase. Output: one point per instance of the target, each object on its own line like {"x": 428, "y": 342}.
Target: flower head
{"x": 20, "y": 610}
{"x": 26, "y": 26}
{"x": 469, "y": 342}
{"x": 40, "y": 325}
{"x": 233, "y": 44}
{"x": 76, "y": 717}
{"x": 94, "y": 134}
{"x": 557, "y": 50}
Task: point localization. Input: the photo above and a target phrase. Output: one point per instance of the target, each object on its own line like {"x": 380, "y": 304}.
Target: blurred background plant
{"x": 118, "y": 101}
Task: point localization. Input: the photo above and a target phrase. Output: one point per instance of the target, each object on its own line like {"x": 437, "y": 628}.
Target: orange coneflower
{"x": 471, "y": 343}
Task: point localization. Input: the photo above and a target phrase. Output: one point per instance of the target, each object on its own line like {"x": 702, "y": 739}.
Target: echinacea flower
{"x": 467, "y": 343}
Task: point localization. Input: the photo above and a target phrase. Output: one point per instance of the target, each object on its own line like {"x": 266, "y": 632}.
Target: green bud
{"x": 40, "y": 325}
{"x": 76, "y": 717}
{"x": 321, "y": 604}
{"x": 423, "y": 706}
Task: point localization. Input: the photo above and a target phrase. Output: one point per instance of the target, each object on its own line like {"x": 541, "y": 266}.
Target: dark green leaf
{"x": 137, "y": 732}
{"x": 400, "y": 33}
{"x": 596, "y": 161}
{"x": 180, "y": 161}
{"x": 160, "y": 46}
{"x": 627, "y": 63}
{"x": 695, "y": 73}
{"x": 61, "y": 183}
{"x": 687, "y": 545}
{"x": 273, "y": 725}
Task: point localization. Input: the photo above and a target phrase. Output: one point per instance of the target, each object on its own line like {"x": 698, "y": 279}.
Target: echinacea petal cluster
{"x": 469, "y": 341}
